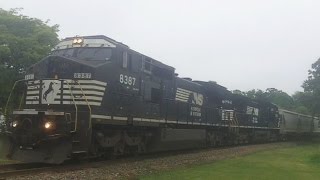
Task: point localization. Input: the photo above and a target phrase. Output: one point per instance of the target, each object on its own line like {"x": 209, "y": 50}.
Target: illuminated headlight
{"x": 14, "y": 124}
{"x": 48, "y": 125}
{"x": 77, "y": 40}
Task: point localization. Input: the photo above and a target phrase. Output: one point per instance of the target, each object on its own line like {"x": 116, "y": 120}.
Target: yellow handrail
{"x": 8, "y": 100}
{"x": 75, "y": 105}
{"x": 21, "y": 100}
{"x": 90, "y": 125}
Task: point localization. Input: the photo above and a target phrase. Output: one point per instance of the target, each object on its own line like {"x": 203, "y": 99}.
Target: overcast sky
{"x": 247, "y": 44}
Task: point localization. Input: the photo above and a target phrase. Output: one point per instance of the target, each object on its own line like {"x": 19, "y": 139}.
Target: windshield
{"x": 85, "y": 53}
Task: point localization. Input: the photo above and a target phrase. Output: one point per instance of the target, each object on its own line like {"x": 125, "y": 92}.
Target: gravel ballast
{"x": 132, "y": 168}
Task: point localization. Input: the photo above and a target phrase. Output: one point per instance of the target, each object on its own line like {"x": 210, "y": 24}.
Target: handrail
{"x": 90, "y": 125}
{"x": 76, "y": 107}
{"x": 14, "y": 85}
{"x": 21, "y": 100}
{"x": 236, "y": 123}
{"x": 236, "y": 119}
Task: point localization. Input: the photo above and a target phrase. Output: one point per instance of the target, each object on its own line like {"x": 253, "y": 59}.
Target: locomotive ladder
{"x": 76, "y": 107}
{"x": 233, "y": 123}
{"x": 233, "y": 127}
{"x": 85, "y": 141}
{"x": 89, "y": 107}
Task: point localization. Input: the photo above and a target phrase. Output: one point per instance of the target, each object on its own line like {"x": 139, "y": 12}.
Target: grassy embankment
{"x": 3, "y": 150}
{"x": 299, "y": 162}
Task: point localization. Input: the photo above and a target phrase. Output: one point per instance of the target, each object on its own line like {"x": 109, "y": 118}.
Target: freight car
{"x": 295, "y": 125}
{"x": 94, "y": 96}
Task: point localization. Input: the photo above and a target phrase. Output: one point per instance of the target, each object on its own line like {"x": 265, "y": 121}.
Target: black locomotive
{"x": 94, "y": 96}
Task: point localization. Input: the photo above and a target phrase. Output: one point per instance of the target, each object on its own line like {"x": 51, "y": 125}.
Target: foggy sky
{"x": 247, "y": 44}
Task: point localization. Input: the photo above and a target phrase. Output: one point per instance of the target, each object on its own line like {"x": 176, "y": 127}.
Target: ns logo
{"x": 196, "y": 98}
{"x": 188, "y": 96}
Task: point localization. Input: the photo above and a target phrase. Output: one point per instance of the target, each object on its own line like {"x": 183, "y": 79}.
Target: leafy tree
{"x": 302, "y": 102}
{"x": 272, "y": 95}
{"x": 23, "y": 41}
{"x": 237, "y": 91}
{"x": 280, "y": 98}
{"x": 307, "y": 102}
{"x": 255, "y": 94}
{"x": 312, "y": 88}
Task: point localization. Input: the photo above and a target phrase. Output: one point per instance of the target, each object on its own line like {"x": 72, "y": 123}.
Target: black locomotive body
{"x": 94, "y": 96}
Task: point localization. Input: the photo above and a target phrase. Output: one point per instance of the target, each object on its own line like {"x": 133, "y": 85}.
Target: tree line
{"x": 25, "y": 40}
{"x": 306, "y": 102}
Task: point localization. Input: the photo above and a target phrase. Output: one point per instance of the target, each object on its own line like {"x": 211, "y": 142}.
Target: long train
{"x": 94, "y": 96}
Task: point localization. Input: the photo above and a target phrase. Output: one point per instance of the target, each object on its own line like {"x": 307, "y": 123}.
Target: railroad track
{"x": 9, "y": 170}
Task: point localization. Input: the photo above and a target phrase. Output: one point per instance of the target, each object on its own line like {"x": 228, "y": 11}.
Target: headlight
{"x": 77, "y": 41}
{"x": 14, "y": 124}
{"x": 48, "y": 125}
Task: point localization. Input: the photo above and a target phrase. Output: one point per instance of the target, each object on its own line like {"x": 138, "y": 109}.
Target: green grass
{"x": 299, "y": 162}
{"x": 5, "y": 161}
